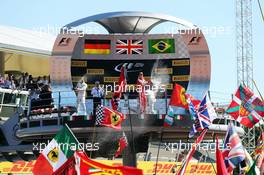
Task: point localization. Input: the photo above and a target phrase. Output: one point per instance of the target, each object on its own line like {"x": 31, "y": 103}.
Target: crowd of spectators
{"x": 23, "y": 82}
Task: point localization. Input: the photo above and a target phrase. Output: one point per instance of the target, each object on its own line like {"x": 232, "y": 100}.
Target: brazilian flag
{"x": 157, "y": 46}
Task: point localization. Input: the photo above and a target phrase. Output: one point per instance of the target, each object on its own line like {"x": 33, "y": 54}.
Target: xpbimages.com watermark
{"x": 148, "y": 89}
{"x": 210, "y": 31}
{"x": 181, "y": 146}
{"x": 66, "y": 146}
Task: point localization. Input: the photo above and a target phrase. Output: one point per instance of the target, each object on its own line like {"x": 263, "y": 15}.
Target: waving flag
{"x": 177, "y": 105}
{"x": 56, "y": 153}
{"x": 202, "y": 113}
{"x": 129, "y": 47}
{"x": 121, "y": 88}
{"x": 191, "y": 152}
{"x": 108, "y": 117}
{"x": 259, "y": 152}
{"x": 246, "y": 108}
{"x": 233, "y": 152}
{"x": 121, "y": 145}
{"x": 220, "y": 164}
{"x": 86, "y": 166}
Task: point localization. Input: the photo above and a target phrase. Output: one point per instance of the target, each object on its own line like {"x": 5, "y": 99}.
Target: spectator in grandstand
{"x": 2, "y": 81}
{"x": 39, "y": 81}
{"x": 22, "y": 81}
{"x": 45, "y": 80}
{"x": 26, "y": 78}
{"x": 81, "y": 93}
{"x": 97, "y": 93}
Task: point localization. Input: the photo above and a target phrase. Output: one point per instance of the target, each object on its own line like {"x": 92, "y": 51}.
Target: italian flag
{"x": 56, "y": 153}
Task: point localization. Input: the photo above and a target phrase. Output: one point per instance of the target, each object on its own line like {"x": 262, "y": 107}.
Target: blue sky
{"x": 32, "y": 14}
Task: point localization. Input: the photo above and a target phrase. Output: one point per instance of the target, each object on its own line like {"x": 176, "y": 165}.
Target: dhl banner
{"x": 163, "y": 168}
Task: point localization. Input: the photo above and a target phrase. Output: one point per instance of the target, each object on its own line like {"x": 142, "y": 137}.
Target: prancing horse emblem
{"x": 53, "y": 155}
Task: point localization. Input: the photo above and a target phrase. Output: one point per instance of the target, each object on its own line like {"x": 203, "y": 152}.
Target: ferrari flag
{"x": 86, "y": 166}
{"x": 56, "y": 153}
{"x": 108, "y": 117}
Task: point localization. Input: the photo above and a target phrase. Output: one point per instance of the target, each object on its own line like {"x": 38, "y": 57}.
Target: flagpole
{"x": 93, "y": 136}
{"x": 157, "y": 159}
{"x": 131, "y": 126}
{"x": 211, "y": 162}
{"x": 161, "y": 136}
{"x": 258, "y": 90}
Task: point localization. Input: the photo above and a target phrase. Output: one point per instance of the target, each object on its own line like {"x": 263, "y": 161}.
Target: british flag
{"x": 129, "y": 47}
{"x": 233, "y": 152}
{"x": 202, "y": 113}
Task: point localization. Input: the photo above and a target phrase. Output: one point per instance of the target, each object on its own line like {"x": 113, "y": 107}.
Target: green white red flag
{"x": 56, "y": 153}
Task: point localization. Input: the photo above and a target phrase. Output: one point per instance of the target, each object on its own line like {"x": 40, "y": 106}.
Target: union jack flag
{"x": 233, "y": 152}
{"x": 202, "y": 113}
{"x": 129, "y": 47}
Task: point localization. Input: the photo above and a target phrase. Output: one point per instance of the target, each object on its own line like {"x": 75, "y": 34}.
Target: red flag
{"x": 86, "y": 166}
{"x": 121, "y": 145}
{"x": 108, "y": 117}
{"x": 191, "y": 152}
{"x": 220, "y": 164}
{"x": 118, "y": 92}
{"x": 178, "y": 97}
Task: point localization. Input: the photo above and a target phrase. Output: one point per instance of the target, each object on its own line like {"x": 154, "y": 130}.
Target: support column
{"x": 2, "y": 63}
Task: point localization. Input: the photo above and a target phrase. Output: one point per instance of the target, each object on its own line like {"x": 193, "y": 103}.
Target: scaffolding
{"x": 244, "y": 51}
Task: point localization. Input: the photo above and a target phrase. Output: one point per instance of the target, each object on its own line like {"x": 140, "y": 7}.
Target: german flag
{"x": 97, "y": 46}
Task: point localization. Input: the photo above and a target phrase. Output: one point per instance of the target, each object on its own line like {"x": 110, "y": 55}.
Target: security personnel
{"x": 97, "y": 93}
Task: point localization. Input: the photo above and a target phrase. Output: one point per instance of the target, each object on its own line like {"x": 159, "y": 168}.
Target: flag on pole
{"x": 120, "y": 89}
{"x": 178, "y": 98}
{"x": 246, "y": 108}
{"x": 108, "y": 117}
{"x": 191, "y": 152}
{"x": 220, "y": 164}
{"x": 202, "y": 113}
{"x": 233, "y": 152}
{"x": 177, "y": 104}
{"x": 122, "y": 144}
{"x": 259, "y": 152}
{"x": 168, "y": 121}
{"x": 86, "y": 166}
{"x": 56, "y": 153}
{"x": 253, "y": 170}
{"x": 68, "y": 168}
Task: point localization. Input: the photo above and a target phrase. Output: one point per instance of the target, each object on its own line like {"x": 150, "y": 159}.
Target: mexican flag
{"x": 56, "y": 153}
{"x": 246, "y": 108}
